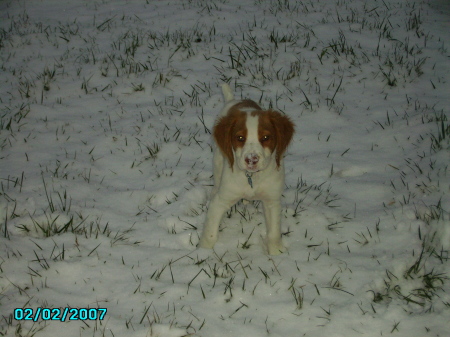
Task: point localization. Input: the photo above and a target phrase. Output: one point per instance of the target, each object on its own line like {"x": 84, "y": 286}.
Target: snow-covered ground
{"x": 105, "y": 167}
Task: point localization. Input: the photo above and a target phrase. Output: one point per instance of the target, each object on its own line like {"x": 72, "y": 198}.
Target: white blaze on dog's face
{"x": 251, "y": 137}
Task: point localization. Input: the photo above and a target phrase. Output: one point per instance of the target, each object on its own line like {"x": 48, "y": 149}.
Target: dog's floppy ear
{"x": 222, "y": 134}
{"x": 284, "y": 129}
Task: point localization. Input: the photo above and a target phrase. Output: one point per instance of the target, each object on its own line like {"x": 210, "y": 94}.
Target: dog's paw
{"x": 275, "y": 248}
{"x": 206, "y": 243}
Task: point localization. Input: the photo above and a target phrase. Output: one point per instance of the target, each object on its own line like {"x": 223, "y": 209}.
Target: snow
{"x": 106, "y": 167}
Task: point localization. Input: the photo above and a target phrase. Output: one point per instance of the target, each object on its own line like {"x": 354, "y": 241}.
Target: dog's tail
{"x": 227, "y": 92}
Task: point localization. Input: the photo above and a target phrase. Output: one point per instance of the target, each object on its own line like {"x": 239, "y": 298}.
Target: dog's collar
{"x": 249, "y": 178}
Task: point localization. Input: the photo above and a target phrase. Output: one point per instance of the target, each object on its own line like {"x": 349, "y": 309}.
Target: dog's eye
{"x": 241, "y": 138}
{"x": 265, "y": 138}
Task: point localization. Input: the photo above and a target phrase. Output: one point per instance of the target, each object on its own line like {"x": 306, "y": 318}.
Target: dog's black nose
{"x": 252, "y": 159}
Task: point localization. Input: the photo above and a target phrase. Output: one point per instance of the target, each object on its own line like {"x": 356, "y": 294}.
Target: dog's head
{"x": 252, "y": 137}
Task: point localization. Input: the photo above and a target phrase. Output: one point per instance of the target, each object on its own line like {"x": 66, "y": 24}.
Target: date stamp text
{"x": 59, "y": 314}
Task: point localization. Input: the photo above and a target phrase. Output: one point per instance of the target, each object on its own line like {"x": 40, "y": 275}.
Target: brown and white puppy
{"x": 248, "y": 164}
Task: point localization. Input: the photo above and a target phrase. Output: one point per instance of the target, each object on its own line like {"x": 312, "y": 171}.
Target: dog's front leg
{"x": 272, "y": 213}
{"x": 217, "y": 208}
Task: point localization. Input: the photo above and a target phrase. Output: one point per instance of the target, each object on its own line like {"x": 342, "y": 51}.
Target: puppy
{"x": 248, "y": 164}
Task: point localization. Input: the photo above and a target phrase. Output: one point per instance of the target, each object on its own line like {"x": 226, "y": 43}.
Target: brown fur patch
{"x": 275, "y": 131}
{"x": 227, "y": 130}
